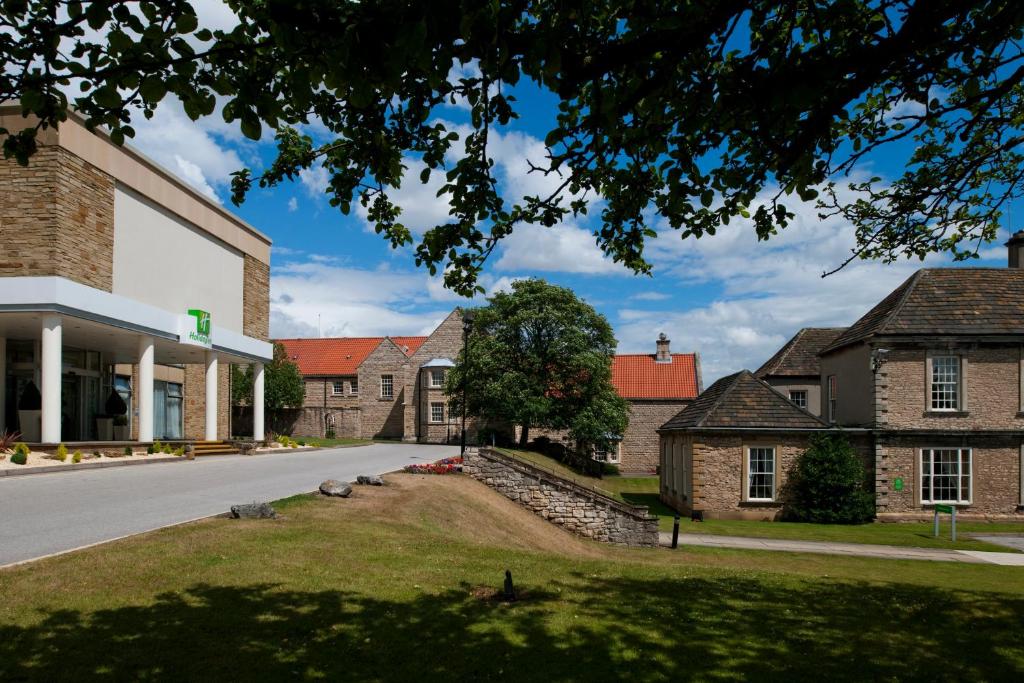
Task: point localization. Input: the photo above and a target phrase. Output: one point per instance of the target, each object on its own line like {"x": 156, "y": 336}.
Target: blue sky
{"x": 727, "y": 296}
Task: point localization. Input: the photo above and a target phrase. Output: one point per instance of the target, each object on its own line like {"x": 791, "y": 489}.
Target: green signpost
{"x": 951, "y": 511}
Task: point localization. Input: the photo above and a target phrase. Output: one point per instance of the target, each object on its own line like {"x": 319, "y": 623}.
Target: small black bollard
{"x": 510, "y": 591}
{"x": 675, "y": 533}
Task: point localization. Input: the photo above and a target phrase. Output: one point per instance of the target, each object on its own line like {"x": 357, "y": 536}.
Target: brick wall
{"x": 256, "y": 299}
{"x": 996, "y": 475}
{"x": 195, "y": 401}
{"x": 57, "y": 218}
{"x": 639, "y": 451}
{"x": 320, "y": 393}
{"x": 992, "y": 382}
{"x": 578, "y": 509}
{"x": 382, "y": 418}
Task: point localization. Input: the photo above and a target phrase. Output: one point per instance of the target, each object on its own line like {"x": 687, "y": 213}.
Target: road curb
{"x": 83, "y": 466}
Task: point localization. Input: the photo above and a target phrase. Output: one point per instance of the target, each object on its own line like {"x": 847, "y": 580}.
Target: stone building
{"x": 934, "y": 375}
{"x": 117, "y": 278}
{"x": 795, "y": 369}
{"x": 379, "y": 387}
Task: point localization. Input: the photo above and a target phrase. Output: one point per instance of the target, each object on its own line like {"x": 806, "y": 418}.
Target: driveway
{"x": 42, "y": 514}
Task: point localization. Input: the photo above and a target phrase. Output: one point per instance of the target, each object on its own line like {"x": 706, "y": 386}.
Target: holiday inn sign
{"x": 195, "y": 328}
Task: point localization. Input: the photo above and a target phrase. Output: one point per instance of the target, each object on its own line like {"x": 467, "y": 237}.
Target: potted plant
{"x": 114, "y": 408}
{"x": 121, "y": 428}
{"x": 30, "y": 413}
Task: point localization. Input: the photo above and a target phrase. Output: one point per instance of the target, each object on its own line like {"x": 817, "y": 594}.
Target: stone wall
{"x": 995, "y": 460}
{"x": 580, "y": 510}
{"x": 256, "y": 299}
{"x": 57, "y": 218}
{"x": 444, "y": 342}
{"x": 639, "y": 450}
{"x": 383, "y": 417}
{"x": 195, "y": 401}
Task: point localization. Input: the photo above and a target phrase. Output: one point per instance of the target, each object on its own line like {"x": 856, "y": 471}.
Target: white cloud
{"x": 564, "y": 248}
{"x": 315, "y": 180}
{"x": 650, "y": 296}
{"x": 293, "y": 205}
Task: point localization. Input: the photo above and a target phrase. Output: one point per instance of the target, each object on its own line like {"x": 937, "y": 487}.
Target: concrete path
{"x": 44, "y": 514}
{"x": 891, "y": 552}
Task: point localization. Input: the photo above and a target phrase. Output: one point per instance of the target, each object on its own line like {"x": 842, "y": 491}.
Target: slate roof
{"x": 339, "y": 355}
{"x": 946, "y": 301}
{"x": 799, "y": 356}
{"x": 742, "y": 400}
{"x": 639, "y": 376}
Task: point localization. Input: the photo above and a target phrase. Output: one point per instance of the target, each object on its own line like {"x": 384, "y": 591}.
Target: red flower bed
{"x": 445, "y": 466}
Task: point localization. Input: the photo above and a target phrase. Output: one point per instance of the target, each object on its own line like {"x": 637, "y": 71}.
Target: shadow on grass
{"x": 651, "y": 500}
{"x": 579, "y": 628}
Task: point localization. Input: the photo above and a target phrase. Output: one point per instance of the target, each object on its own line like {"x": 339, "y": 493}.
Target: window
{"x": 945, "y": 383}
{"x": 338, "y": 388}
{"x": 946, "y": 475}
{"x": 832, "y": 398}
{"x": 611, "y": 454}
{"x": 798, "y": 397}
{"x": 437, "y": 412}
{"x": 353, "y": 386}
{"x": 387, "y": 386}
{"x": 436, "y": 379}
{"x": 761, "y": 473}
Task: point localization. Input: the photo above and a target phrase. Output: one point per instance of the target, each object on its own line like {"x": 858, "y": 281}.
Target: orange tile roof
{"x": 639, "y": 376}
{"x": 339, "y": 355}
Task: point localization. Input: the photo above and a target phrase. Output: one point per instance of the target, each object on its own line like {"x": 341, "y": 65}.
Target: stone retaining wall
{"x": 578, "y": 509}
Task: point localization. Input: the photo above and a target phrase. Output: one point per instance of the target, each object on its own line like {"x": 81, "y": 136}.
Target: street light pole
{"x": 467, "y": 326}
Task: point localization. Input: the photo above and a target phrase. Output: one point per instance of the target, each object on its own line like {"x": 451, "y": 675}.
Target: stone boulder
{"x": 369, "y": 480}
{"x": 253, "y": 511}
{"x": 333, "y": 487}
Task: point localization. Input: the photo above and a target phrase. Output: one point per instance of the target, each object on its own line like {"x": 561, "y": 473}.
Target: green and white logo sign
{"x": 196, "y": 328}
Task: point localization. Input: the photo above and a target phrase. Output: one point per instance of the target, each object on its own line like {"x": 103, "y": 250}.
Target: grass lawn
{"x": 393, "y": 585}
{"x": 644, "y": 491}
{"x": 334, "y": 443}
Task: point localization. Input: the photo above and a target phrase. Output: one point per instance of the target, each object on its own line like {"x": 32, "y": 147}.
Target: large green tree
{"x": 699, "y": 111}
{"x": 538, "y": 356}
{"x": 283, "y": 386}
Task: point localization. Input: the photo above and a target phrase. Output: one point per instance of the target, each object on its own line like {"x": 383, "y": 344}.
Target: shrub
{"x": 77, "y": 457}
{"x": 293, "y": 444}
{"x": 128, "y": 450}
{"x": 157, "y": 446}
{"x": 828, "y": 484}
{"x": 329, "y": 434}
{"x": 8, "y": 439}
{"x": 302, "y": 442}
{"x": 150, "y": 449}
{"x": 179, "y": 451}
{"x": 20, "y": 456}
{"x": 97, "y": 454}
{"x": 62, "y": 452}
{"x": 167, "y": 449}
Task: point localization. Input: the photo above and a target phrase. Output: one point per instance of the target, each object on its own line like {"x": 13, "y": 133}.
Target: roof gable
{"x": 743, "y": 401}
{"x": 946, "y": 301}
{"x": 640, "y": 376}
{"x": 339, "y": 355}
{"x": 799, "y": 356}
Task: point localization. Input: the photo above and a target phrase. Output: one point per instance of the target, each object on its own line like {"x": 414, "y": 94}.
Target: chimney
{"x": 665, "y": 356}
{"x": 1015, "y": 249}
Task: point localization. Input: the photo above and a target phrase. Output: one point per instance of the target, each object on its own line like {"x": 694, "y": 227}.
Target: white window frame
{"x": 338, "y": 388}
{"x": 832, "y": 397}
{"x": 353, "y": 387}
{"x": 611, "y": 455}
{"x": 387, "y": 381}
{"x": 926, "y": 480}
{"x": 433, "y": 374}
{"x": 773, "y": 472}
{"x": 435, "y": 404}
{"x": 793, "y": 393}
{"x": 957, "y": 383}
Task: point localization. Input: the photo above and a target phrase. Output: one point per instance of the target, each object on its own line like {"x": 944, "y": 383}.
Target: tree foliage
{"x": 283, "y": 383}
{"x": 241, "y": 385}
{"x": 540, "y": 357}
{"x": 829, "y": 485}
{"x": 699, "y": 112}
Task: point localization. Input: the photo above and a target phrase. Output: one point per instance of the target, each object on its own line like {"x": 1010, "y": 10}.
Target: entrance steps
{"x": 213, "y": 448}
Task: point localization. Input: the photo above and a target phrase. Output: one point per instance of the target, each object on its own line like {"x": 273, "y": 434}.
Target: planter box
{"x": 105, "y": 428}
{"x": 31, "y": 422}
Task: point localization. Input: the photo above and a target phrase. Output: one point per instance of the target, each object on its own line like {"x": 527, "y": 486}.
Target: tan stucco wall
{"x": 855, "y": 385}
{"x": 784, "y": 385}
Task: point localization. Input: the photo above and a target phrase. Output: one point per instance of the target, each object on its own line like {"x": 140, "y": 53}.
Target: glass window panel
{"x": 945, "y": 382}
{"x": 761, "y": 473}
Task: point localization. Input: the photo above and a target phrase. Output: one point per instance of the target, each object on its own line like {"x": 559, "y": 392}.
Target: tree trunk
{"x": 524, "y": 435}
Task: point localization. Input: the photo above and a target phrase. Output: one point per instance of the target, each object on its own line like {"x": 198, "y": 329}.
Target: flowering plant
{"x": 443, "y": 466}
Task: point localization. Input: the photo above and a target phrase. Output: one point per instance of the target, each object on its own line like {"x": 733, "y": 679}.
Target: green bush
{"x": 77, "y": 457}
{"x": 20, "y": 456}
{"x": 150, "y": 449}
{"x": 302, "y": 442}
{"x": 97, "y": 454}
{"x": 157, "y": 446}
{"x": 62, "y": 452}
{"x": 128, "y": 450}
{"x": 329, "y": 434}
{"x": 167, "y": 449}
{"x": 828, "y": 484}
{"x": 179, "y": 451}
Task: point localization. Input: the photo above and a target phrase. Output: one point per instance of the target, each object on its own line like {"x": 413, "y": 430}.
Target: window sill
{"x": 946, "y": 413}
{"x": 385, "y": 398}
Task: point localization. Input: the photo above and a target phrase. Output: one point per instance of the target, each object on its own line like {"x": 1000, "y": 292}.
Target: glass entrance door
{"x": 70, "y": 413}
{"x": 159, "y": 414}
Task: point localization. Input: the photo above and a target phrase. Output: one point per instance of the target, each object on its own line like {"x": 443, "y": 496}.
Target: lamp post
{"x": 467, "y": 326}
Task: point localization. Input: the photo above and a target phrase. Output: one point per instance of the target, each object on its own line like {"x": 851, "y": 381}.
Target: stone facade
{"x": 639, "y": 449}
{"x": 383, "y": 417}
{"x": 580, "y": 510}
{"x": 58, "y": 219}
{"x": 256, "y": 298}
{"x": 443, "y": 342}
{"x": 195, "y": 401}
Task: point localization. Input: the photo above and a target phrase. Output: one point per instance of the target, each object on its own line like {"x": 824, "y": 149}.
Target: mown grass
{"x": 333, "y": 443}
{"x": 387, "y": 586}
{"x": 644, "y": 491}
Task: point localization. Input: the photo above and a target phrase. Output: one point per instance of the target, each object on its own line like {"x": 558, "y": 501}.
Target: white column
{"x": 257, "y": 402}
{"x": 211, "y": 395}
{"x": 3, "y": 384}
{"x": 49, "y": 377}
{"x": 144, "y": 391}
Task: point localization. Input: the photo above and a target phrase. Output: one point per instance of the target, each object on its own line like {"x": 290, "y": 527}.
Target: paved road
{"x": 42, "y": 514}
{"x": 891, "y": 552}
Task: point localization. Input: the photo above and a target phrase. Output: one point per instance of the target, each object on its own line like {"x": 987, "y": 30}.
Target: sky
{"x": 730, "y": 298}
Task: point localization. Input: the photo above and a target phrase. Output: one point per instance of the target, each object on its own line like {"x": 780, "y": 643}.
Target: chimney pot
{"x": 664, "y": 355}
{"x": 1015, "y": 250}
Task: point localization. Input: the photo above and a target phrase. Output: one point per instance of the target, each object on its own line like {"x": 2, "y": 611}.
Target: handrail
{"x": 560, "y": 475}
